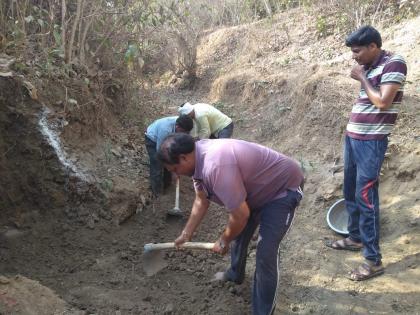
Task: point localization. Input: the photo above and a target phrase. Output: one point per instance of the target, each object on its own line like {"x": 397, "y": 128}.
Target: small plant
{"x": 219, "y": 105}
{"x": 132, "y": 57}
{"x": 321, "y": 26}
{"x": 305, "y": 165}
{"x": 407, "y": 9}
{"x": 107, "y": 151}
{"x": 107, "y": 184}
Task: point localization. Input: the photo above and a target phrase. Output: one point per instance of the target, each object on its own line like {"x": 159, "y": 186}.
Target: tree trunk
{"x": 267, "y": 7}
{"x": 73, "y": 31}
{"x": 86, "y": 26}
{"x": 63, "y": 29}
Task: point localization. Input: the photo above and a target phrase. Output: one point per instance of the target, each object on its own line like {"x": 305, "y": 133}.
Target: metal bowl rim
{"x": 328, "y": 218}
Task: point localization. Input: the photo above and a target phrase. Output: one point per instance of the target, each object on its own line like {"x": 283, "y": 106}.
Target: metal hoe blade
{"x": 153, "y": 262}
{"x": 153, "y": 257}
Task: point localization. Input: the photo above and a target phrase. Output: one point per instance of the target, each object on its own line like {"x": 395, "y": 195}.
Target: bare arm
{"x": 199, "y": 210}
{"x": 381, "y": 98}
{"x": 238, "y": 219}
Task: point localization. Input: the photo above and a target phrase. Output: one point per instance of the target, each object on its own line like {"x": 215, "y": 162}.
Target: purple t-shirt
{"x": 232, "y": 171}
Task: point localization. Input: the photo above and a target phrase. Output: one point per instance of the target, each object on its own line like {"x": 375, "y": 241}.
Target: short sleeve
{"x": 228, "y": 186}
{"x": 395, "y": 71}
{"x": 198, "y": 185}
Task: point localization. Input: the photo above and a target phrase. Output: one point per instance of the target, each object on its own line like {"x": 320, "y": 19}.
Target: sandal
{"x": 366, "y": 271}
{"x": 343, "y": 244}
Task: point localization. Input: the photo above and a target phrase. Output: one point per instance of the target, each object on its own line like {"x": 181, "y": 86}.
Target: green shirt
{"x": 209, "y": 120}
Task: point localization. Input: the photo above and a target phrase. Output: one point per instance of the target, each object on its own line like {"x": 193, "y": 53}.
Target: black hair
{"x": 364, "y": 36}
{"x": 185, "y": 122}
{"x": 173, "y": 146}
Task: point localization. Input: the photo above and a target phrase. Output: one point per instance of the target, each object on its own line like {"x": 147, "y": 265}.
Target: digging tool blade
{"x": 154, "y": 258}
{"x": 153, "y": 262}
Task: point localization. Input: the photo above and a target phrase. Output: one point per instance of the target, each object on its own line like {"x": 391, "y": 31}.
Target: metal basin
{"x": 337, "y": 217}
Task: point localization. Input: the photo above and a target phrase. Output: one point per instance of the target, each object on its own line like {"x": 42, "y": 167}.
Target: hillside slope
{"x": 291, "y": 91}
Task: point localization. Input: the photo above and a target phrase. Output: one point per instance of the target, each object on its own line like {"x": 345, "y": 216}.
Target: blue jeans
{"x": 362, "y": 165}
{"x": 275, "y": 219}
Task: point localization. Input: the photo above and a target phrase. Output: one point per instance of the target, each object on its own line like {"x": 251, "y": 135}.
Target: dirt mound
{"x": 22, "y": 296}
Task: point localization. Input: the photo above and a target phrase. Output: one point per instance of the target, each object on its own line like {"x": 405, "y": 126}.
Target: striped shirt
{"x": 367, "y": 122}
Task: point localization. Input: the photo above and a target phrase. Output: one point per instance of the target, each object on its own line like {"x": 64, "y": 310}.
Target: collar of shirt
{"x": 376, "y": 62}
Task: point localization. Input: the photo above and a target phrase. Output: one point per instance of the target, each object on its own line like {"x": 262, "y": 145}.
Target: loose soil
{"x": 71, "y": 244}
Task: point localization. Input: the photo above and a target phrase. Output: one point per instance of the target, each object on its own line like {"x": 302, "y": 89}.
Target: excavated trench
{"x": 46, "y": 205}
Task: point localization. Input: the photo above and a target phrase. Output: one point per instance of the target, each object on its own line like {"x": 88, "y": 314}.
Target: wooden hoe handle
{"x": 191, "y": 245}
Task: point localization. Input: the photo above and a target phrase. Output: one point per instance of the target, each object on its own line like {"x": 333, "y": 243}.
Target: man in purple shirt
{"x": 382, "y": 76}
{"x": 257, "y": 186}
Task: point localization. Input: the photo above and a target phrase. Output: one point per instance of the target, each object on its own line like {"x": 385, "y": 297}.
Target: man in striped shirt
{"x": 382, "y": 76}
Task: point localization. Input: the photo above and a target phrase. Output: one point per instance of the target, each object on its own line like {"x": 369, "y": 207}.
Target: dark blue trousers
{"x": 362, "y": 165}
{"x": 275, "y": 219}
{"x": 160, "y": 177}
{"x": 226, "y": 132}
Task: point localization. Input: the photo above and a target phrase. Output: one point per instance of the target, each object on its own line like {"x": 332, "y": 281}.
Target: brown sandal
{"x": 366, "y": 271}
{"x": 343, "y": 244}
